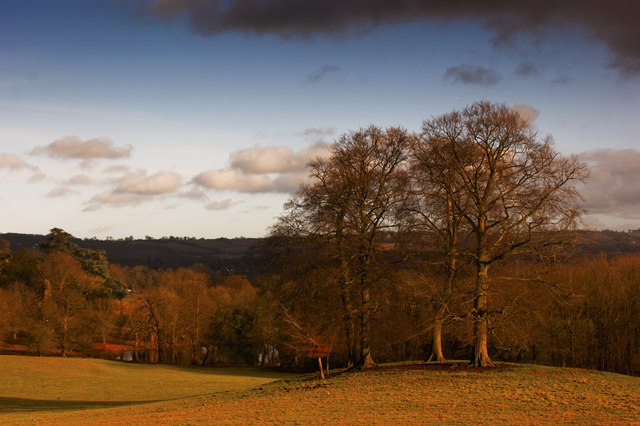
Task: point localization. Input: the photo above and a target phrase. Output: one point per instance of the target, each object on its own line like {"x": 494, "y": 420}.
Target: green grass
{"x": 520, "y": 394}
{"x": 29, "y": 384}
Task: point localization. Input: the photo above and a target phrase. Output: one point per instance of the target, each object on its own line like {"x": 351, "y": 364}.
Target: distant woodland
{"x": 456, "y": 243}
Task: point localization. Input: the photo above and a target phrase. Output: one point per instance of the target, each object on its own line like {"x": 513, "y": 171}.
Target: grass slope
{"x": 399, "y": 394}
{"x": 44, "y": 385}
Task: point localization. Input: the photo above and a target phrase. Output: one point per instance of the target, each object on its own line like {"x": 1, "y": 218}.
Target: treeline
{"x": 58, "y": 301}
{"x": 582, "y": 312}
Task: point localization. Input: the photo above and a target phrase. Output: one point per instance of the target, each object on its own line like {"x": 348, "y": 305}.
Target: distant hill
{"x": 237, "y": 255}
{"x": 608, "y": 242}
{"x": 241, "y": 255}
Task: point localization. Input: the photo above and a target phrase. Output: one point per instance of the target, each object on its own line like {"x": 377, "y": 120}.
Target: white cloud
{"x": 194, "y": 193}
{"x": 290, "y": 182}
{"x": 318, "y": 149}
{"x": 74, "y": 147}
{"x": 117, "y": 169}
{"x": 136, "y": 188}
{"x": 111, "y": 197}
{"x": 258, "y": 159}
{"x": 528, "y": 113}
{"x": 80, "y": 180}
{"x": 156, "y": 184}
{"x": 13, "y": 162}
{"x": 60, "y": 191}
{"x": 264, "y": 169}
{"x": 232, "y": 179}
{"x": 220, "y": 205}
{"x": 275, "y": 159}
{"x": 38, "y": 176}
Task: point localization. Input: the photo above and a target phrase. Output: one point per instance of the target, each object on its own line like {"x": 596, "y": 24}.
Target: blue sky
{"x": 194, "y": 118}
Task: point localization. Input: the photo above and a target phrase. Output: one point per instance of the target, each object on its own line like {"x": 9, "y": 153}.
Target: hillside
{"x": 234, "y": 255}
{"x": 241, "y": 255}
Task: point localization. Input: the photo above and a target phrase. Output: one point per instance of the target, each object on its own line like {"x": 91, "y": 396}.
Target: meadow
{"x": 81, "y": 391}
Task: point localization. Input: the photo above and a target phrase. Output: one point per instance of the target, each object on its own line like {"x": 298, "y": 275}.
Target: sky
{"x": 196, "y": 117}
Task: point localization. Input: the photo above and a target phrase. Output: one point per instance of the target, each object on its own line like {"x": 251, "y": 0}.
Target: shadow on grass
{"x": 23, "y": 405}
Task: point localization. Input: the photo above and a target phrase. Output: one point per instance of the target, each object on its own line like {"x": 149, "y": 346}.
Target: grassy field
{"x": 392, "y": 394}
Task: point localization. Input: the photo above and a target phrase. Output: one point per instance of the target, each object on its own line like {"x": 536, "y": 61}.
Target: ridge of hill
{"x": 235, "y": 255}
{"x": 241, "y": 255}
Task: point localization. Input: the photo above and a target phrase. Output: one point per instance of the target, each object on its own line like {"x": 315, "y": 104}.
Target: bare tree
{"x": 515, "y": 191}
{"x": 432, "y": 210}
{"x": 351, "y": 198}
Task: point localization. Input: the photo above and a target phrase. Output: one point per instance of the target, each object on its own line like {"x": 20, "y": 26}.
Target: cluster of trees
{"x": 478, "y": 182}
{"x": 197, "y": 316}
{"x": 64, "y": 299}
{"x": 51, "y": 300}
{"x": 450, "y": 243}
{"x": 581, "y": 312}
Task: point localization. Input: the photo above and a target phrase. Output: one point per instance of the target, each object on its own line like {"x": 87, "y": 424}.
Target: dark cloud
{"x": 561, "y": 80}
{"x": 613, "y": 23}
{"x": 472, "y": 74}
{"x": 527, "y": 69}
{"x": 322, "y": 72}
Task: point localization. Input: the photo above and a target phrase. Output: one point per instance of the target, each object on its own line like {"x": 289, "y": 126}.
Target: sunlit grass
{"x": 29, "y": 384}
{"x": 522, "y": 394}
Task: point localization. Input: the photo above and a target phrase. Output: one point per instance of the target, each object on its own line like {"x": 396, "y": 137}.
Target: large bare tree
{"x": 351, "y": 198}
{"x": 434, "y": 185}
{"x": 510, "y": 187}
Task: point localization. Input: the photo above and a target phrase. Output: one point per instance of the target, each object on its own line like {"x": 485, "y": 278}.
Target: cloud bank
{"x": 263, "y": 169}
{"x": 135, "y": 188}
{"x": 613, "y": 23}
{"x": 613, "y": 187}
{"x": 74, "y": 147}
{"x": 234, "y": 180}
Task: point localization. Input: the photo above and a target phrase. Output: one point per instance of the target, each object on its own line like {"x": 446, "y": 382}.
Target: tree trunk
{"x": 65, "y": 327}
{"x": 348, "y": 324}
{"x": 447, "y": 291}
{"x": 347, "y": 304}
{"x": 321, "y": 370}
{"x": 366, "y": 360}
{"x": 436, "y": 339}
{"x": 480, "y": 326}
